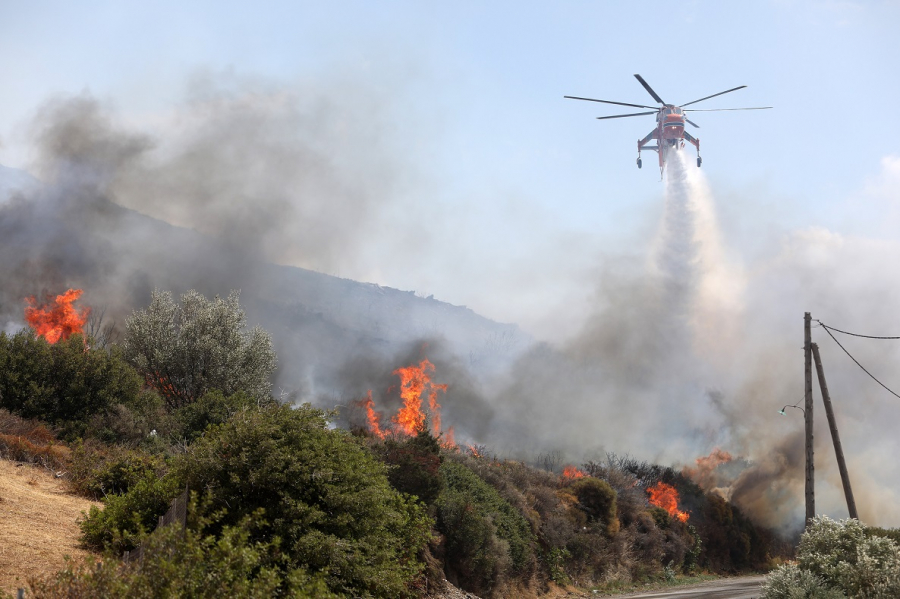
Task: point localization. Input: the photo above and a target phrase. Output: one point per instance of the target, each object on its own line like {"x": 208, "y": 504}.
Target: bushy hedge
{"x": 185, "y": 350}
{"x": 65, "y": 384}
{"x": 836, "y": 559}
{"x": 487, "y": 540}
{"x": 179, "y": 563}
{"x": 414, "y": 465}
{"x": 127, "y": 519}
{"x": 598, "y": 501}
{"x": 324, "y": 496}
{"x": 97, "y": 470}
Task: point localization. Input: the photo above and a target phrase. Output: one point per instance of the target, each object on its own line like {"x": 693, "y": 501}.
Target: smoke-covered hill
{"x": 61, "y": 236}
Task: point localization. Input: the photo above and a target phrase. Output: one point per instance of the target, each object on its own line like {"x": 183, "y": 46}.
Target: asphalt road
{"x": 744, "y": 587}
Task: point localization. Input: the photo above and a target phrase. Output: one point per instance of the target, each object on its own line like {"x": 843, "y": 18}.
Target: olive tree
{"x": 186, "y": 350}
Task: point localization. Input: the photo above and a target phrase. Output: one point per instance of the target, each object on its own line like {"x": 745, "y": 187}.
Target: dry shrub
{"x": 30, "y": 441}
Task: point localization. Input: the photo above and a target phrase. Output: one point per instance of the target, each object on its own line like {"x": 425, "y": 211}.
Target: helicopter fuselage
{"x": 669, "y": 134}
{"x": 670, "y": 119}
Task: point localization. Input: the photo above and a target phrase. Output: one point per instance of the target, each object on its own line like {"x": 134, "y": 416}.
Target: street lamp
{"x": 782, "y": 410}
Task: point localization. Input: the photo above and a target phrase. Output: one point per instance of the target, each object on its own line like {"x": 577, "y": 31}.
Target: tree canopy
{"x": 186, "y": 350}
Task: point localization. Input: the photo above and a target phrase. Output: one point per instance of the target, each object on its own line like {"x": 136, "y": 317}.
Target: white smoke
{"x": 695, "y": 349}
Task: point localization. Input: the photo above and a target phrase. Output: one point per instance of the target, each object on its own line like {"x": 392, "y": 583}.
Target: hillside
{"x": 38, "y": 523}
{"x": 60, "y": 238}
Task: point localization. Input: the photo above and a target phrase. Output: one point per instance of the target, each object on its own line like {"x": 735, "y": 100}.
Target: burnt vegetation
{"x": 284, "y": 504}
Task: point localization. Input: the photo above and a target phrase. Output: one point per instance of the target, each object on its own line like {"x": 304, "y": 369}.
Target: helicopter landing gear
{"x": 639, "y": 163}
{"x": 699, "y": 161}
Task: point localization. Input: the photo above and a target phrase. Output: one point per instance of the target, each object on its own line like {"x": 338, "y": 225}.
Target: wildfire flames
{"x": 705, "y": 472}
{"x": 571, "y": 472}
{"x": 415, "y": 383}
{"x": 59, "y": 319}
{"x": 666, "y": 497}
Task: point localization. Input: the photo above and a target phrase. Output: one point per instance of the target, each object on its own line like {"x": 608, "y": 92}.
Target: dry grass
{"x": 38, "y": 523}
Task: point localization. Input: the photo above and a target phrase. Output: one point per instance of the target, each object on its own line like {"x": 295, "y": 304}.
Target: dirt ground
{"x": 38, "y": 523}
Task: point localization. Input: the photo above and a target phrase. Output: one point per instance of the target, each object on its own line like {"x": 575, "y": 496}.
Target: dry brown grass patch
{"x": 38, "y": 523}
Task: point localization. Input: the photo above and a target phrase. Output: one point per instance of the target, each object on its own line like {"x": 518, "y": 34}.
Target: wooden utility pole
{"x": 832, "y": 424}
{"x": 808, "y": 418}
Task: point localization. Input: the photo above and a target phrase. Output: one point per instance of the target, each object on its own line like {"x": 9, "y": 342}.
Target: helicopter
{"x": 670, "y": 119}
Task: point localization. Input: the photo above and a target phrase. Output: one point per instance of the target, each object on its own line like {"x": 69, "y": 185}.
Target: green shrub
{"x": 487, "y": 540}
{"x": 790, "y": 582}
{"x": 325, "y": 496}
{"x": 192, "y": 419}
{"x": 843, "y": 555}
{"x": 188, "y": 564}
{"x": 414, "y": 465}
{"x": 127, "y": 519}
{"x": 30, "y": 441}
{"x": 888, "y": 533}
{"x": 65, "y": 384}
{"x": 185, "y": 351}
{"x": 98, "y": 470}
{"x": 598, "y": 500}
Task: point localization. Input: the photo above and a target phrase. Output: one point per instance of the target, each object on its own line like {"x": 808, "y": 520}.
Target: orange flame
{"x": 414, "y": 380}
{"x": 373, "y": 418}
{"x": 57, "y": 320}
{"x": 571, "y": 472}
{"x": 705, "y": 472}
{"x": 449, "y": 441}
{"x": 666, "y": 497}
{"x": 476, "y": 453}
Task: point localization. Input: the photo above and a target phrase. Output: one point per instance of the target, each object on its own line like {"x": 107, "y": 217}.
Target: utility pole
{"x": 808, "y": 419}
{"x": 832, "y": 424}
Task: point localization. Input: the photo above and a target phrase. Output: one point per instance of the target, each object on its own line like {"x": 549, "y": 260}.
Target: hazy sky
{"x": 508, "y": 198}
{"x": 434, "y": 152}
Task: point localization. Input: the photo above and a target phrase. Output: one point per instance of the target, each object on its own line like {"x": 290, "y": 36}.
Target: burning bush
{"x": 58, "y": 319}
{"x": 413, "y": 417}
{"x": 185, "y": 351}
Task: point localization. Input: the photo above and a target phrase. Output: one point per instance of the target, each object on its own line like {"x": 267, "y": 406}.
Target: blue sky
{"x": 526, "y": 192}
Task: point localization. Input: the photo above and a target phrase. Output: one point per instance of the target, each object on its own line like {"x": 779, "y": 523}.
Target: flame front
{"x": 705, "y": 473}
{"x": 373, "y": 418}
{"x": 58, "y": 320}
{"x": 666, "y": 497}
{"x": 415, "y": 381}
{"x": 572, "y": 472}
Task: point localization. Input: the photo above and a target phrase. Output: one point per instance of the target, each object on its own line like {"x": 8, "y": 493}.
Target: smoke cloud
{"x": 692, "y": 350}
{"x": 690, "y": 347}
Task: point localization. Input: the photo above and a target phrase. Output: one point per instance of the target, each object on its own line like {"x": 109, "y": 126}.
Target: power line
{"x": 857, "y": 361}
{"x": 825, "y": 326}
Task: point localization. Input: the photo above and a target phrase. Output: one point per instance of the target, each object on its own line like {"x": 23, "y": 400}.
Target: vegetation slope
{"x": 283, "y": 504}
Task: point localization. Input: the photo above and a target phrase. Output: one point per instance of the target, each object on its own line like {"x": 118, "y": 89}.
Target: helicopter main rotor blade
{"x": 649, "y": 89}
{"x": 721, "y": 109}
{"x": 608, "y": 102}
{"x": 619, "y": 116}
{"x": 692, "y": 122}
{"x": 727, "y": 91}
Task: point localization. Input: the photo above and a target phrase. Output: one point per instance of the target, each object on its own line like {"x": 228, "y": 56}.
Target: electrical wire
{"x": 857, "y": 361}
{"x": 825, "y": 326}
